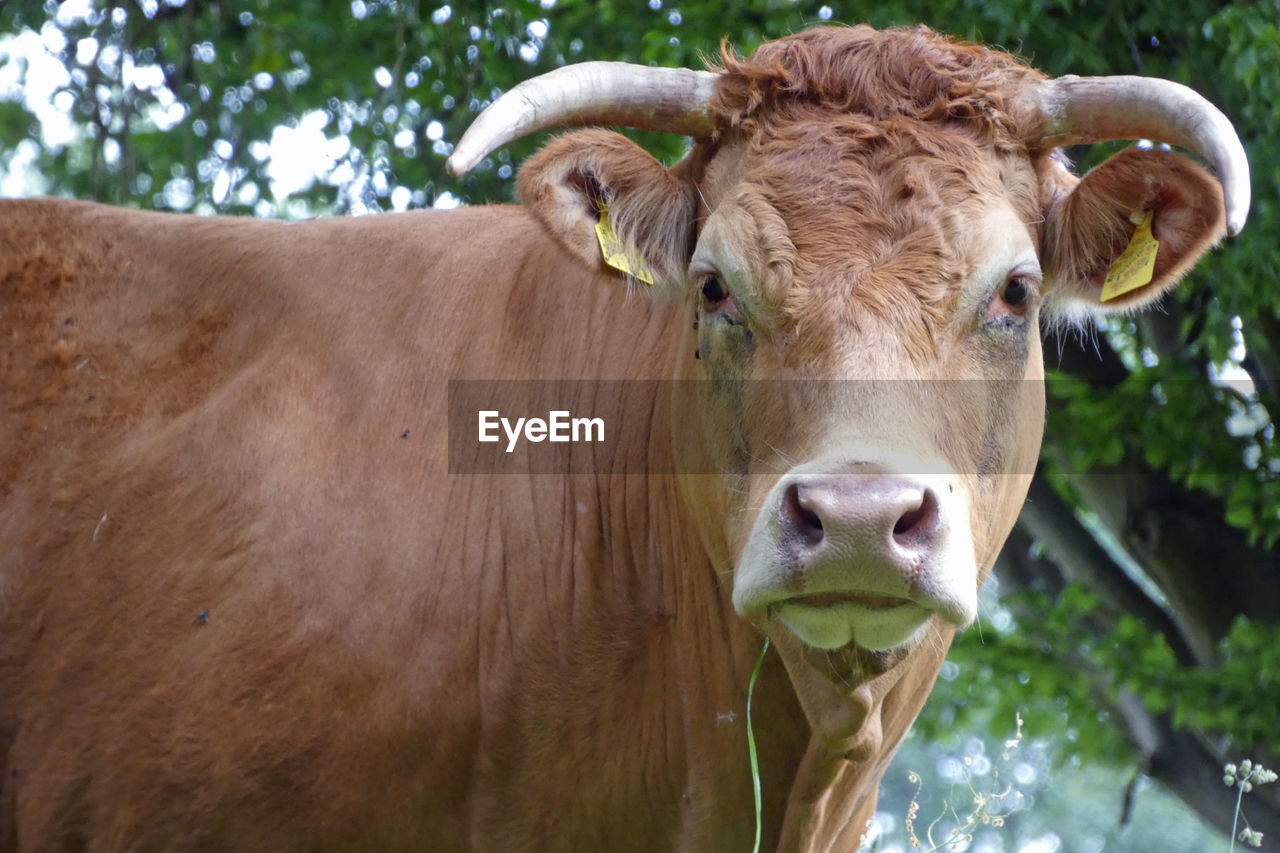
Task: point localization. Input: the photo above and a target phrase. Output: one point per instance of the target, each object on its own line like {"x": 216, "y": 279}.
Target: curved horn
{"x": 674, "y": 100}
{"x": 1091, "y": 109}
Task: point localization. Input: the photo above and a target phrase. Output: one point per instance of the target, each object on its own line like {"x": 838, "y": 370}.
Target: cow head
{"x": 864, "y": 238}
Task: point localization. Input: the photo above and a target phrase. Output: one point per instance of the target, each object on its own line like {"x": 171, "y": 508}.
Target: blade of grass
{"x": 751, "y": 744}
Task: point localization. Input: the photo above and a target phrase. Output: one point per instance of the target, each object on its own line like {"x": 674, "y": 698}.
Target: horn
{"x": 672, "y": 100}
{"x": 1091, "y": 109}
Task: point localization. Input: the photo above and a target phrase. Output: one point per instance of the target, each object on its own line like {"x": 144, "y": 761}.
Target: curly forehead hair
{"x": 913, "y": 73}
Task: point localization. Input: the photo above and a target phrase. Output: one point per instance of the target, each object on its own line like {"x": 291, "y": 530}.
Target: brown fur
{"x": 363, "y": 680}
{"x": 241, "y": 607}
{"x": 879, "y": 76}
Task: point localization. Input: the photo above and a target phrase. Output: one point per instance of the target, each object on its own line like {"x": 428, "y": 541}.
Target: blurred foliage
{"x": 1155, "y": 420}
{"x": 175, "y": 104}
{"x": 1091, "y": 806}
{"x": 1235, "y": 700}
{"x": 1063, "y": 672}
{"x": 997, "y": 672}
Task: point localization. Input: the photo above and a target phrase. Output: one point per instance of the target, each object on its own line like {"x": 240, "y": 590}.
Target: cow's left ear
{"x": 1098, "y": 230}
{"x": 598, "y": 178}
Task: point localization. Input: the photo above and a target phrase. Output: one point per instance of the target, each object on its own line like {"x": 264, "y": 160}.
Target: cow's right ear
{"x": 579, "y": 179}
{"x": 1126, "y": 232}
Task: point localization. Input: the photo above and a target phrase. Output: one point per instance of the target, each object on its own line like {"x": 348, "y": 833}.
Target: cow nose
{"x": 890, "y": 518}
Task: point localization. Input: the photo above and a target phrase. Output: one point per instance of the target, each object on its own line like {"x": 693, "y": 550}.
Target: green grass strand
{"x": 751, "y": 746}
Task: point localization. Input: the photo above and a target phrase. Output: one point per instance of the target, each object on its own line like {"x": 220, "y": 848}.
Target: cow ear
{"x": 598, "y": 178}
{"x": 1099, "y": 229}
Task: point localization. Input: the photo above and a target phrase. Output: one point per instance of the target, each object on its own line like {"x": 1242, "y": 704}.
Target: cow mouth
{"x": 834, "y": 621}
{"x": 826, "y": 600}
{"x": 851, "y": 664}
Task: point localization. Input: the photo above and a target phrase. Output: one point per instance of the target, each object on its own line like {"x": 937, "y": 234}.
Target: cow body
{"x": 302, "y": 651}
{"x": 245, "y": 603}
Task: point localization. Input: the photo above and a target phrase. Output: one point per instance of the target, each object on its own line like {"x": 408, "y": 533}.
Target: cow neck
{"x": 618, "y": 333}
{"x": 709, "y": 661}
{"x": 669, "y": 559}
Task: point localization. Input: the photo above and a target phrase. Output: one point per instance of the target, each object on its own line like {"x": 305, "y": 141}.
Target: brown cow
{"x": 245, "y": 604}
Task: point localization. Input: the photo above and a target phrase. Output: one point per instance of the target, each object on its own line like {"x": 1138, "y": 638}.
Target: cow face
{"x": 869, "y": 381}
{"x": 862, "y": 256}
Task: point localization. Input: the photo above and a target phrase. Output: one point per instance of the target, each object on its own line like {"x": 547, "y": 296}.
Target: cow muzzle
{"x": 864, "y": 558}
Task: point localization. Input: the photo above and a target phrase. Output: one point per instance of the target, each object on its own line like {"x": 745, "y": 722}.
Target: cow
{"x": 247, "y": 601}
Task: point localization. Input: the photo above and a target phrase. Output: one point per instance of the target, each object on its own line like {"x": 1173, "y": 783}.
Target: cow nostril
{"x": 918, "y": 522}
{"x": 806, "y": 523}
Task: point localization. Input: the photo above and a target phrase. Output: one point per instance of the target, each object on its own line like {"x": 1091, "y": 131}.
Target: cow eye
{"x": 1013, "y": 297}
{"x": 1015, "y": 292}
{"x": 717, "y": 300}
{"x": 713, "y": 292}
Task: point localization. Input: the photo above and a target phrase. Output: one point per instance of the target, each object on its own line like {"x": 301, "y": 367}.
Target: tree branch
{"x": 1052, "y": 522}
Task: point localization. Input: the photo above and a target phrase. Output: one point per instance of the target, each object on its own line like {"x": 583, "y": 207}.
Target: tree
{"x": 1147, "y": 603}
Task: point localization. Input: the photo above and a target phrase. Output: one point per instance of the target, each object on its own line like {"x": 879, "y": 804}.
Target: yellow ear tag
{"x": 1136, "y": 263}
{"x": 615, "y": 252}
